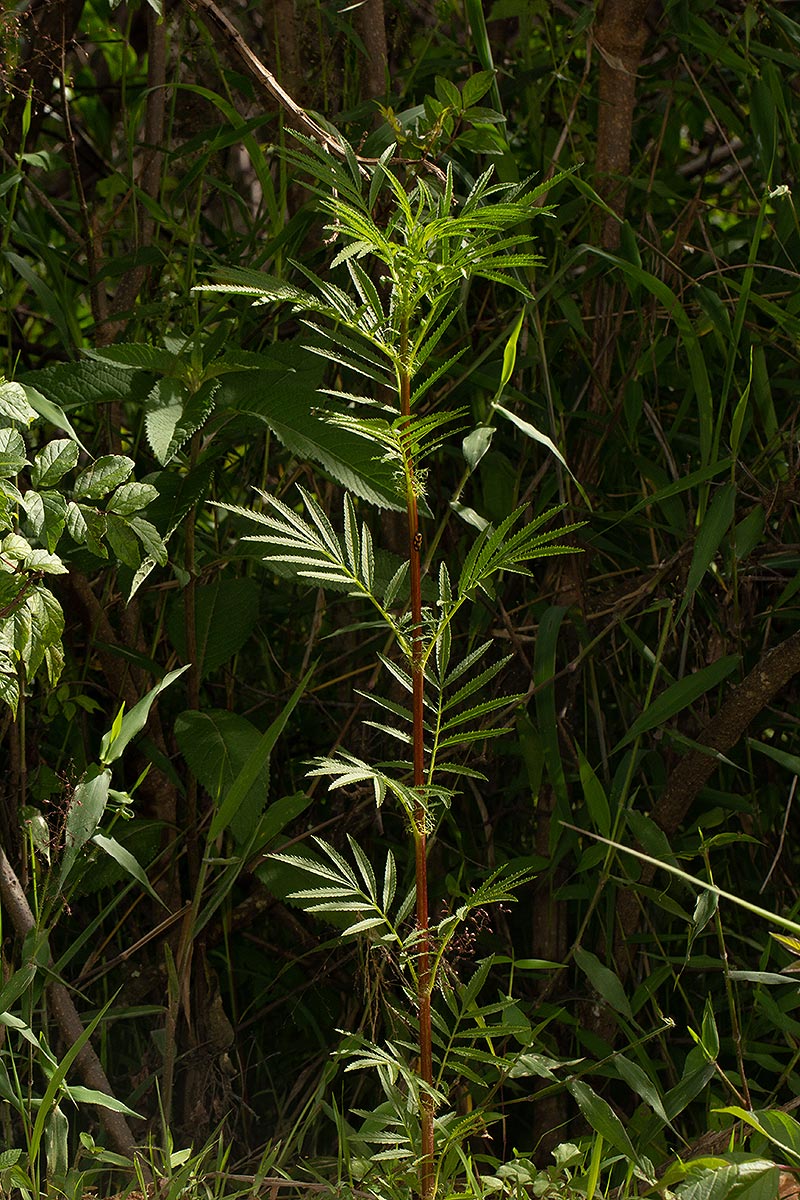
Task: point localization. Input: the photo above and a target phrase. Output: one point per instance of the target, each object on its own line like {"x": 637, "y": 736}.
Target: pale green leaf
{"x": 103, "y": 476}
{"x": 133, "y": 722}
{"x": 131, "y": 497}
{"x": 14, "y": 404}
{"x": 53, "y": 461}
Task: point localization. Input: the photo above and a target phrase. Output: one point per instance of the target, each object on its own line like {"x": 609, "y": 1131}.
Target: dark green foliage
{"x": 639, "y": 372}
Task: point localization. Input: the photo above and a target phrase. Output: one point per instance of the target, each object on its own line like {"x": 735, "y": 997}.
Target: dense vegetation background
{"x": 141, "y": 152}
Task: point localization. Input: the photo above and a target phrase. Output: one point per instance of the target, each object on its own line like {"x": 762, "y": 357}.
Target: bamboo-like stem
{"x": 426, "y": 1166}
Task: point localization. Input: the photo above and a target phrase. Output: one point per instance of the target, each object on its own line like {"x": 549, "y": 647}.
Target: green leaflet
{"x": 103, "y": 476}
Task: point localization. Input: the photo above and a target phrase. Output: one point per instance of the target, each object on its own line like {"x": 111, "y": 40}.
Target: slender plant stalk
{"x": 427, "y": 1174}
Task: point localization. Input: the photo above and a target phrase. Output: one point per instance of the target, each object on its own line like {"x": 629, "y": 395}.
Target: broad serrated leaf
{"x": 287, "y": 401}
{"x": 150, "y": 538}
{"x": 76, "y": 523}
{"x": 54, "y": 511}
{"x": 233, "y": 800}
{"x": 174, "y": 414}
{"x": 34, "y": 508}
{"x": 9, "y": 687}
{"x": 217, "y": 744}
{"x": 93, "y": 525}
{"x": 226, "y": 612}
{"x": 123, "y": 541}
{"x": 137, "y": 356}
{"x": 45, "y": 562}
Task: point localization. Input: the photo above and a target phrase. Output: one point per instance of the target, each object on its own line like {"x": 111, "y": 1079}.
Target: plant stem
{"x": 426, "y": 1167}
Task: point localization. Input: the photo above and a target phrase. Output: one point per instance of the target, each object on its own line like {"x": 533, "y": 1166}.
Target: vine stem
{"x": 424, "y": 980}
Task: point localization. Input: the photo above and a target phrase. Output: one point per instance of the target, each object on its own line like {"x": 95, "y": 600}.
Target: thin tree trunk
{"x": 372, "y": 27}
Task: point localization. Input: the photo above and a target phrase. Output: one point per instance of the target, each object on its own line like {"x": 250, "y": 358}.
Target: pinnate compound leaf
{"x": 103, "y": 476}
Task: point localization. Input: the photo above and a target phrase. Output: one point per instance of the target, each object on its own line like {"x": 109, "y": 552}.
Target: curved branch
{"x": 254, "y": 67}
{"x": 771, "y": 674}
{"x": 66, "y": 1014}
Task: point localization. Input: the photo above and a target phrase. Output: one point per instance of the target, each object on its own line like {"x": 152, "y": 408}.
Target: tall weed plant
{"x": 407, "y": 246}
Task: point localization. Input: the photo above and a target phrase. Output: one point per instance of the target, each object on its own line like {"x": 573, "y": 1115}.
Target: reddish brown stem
{"x": 426, "y": 1168}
